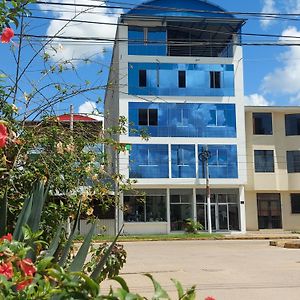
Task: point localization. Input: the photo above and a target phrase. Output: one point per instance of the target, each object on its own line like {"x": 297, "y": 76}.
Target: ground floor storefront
{"x": 272, "y": 210}
{"x": 162, "y": 211}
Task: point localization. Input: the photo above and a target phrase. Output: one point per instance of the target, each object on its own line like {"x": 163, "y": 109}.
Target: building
{"x": 177, "y": 73}
{"x": 273, "y": 166}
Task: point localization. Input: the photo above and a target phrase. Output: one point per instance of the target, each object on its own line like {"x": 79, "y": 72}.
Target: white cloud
{"x": 67, "y": 49}
{"x": 269, "y": 6}
{"x": 256, "y": 100}
{"x": 88, "y": 107}
{"x": 285, "y": 80}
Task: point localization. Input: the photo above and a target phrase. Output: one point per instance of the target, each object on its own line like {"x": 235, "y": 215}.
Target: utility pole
{"x": 204, "y": 156}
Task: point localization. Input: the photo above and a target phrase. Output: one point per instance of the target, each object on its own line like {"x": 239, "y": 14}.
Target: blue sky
{"x": 271, "y": 74}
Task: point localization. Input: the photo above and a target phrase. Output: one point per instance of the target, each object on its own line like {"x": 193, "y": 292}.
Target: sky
{"x": 271, "y": 73}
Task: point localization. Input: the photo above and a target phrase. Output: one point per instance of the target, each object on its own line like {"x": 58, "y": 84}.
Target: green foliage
{"x": 123, "y": 293}
{"x": 192, "y": 226}
{"x": 11, "y": 11}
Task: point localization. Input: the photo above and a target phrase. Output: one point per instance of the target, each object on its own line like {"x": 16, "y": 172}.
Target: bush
{"x": 192, "y": 226}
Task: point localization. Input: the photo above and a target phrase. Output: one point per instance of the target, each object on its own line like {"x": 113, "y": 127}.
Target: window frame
{"x": 181, "y": 79}
{"x": 294, "y": 208}
{"x": 263, "y": 170}
{"x": 215, "y": 79}
{"x": 148, "y": 117}
{"x": 288, "y": 158}
{"x": 142, "y": 75}
{"x": 288, "y": 132}
{"x": 254, "y": 123}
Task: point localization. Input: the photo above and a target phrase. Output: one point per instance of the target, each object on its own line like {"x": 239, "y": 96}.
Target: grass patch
{"x": 157, "y": 237}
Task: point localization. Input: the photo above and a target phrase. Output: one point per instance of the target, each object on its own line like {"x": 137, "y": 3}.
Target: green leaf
{"x": 95, "y": 274}
{"x": 80, "y": 258}
{"x": 3, "y": 213}
{"x": 55, "y": 242}
{"x": 68, "y": 245}
{"x": 122, "y": 282}
{"x": 159, "y": 292}
{"x": 44, "y": 263}
{"x": 23, "y": 218}
{"x": 179, "y": 288}
{"x": 39, "y": 195}
{"x": 91, "y": 284}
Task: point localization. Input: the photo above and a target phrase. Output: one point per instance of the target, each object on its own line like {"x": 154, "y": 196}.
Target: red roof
{"x": 76, "y": 117}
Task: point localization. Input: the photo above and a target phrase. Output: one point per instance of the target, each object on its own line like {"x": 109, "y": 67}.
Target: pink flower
{"x": 6, "y": 269}
{"x": 27, "y": 266}
{"x": 7, "y": 35}
{"x": 209, "y": 298}
{"x": 22, "y": 285}
{"x": 7, "y": 237}
{"x": 3, "y": 135}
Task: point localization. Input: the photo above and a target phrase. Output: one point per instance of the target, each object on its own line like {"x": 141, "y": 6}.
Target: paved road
{"x": 247, "y": 270}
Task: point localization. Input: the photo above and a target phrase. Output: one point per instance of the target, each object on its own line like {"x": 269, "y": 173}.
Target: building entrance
{"x": 224, "y": 212}
{"x": 269, "y": 211}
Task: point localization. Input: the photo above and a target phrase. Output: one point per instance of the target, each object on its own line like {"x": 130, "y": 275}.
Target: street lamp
{"x": 204, "y": 156}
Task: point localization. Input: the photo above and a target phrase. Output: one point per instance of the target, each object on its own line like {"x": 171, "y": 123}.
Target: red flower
{"x": 27, "y": 266}
{"x": 7, "y": 35}
{"x": 22, "y": 285}
{"x": 3, "y": 135}
{"x": 209, "y": 298}
{"x": 6, "y": 269}
{"x": 7, "y": 237}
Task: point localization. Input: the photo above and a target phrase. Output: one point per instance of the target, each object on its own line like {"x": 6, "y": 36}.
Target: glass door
{"x": 223, "y": 216}
{"x": 269, "y": 211}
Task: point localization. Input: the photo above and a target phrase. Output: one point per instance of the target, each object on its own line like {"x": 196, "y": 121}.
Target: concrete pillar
{"x": 194, "y": 205}
{"x": 242, "y": 209}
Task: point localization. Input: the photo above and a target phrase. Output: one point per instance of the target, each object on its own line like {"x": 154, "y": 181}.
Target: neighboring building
{"x": 273, "y": 164}
{"x": 180, "y": 77}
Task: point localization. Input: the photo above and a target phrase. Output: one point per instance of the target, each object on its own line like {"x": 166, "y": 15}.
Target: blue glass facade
{"x": 222, "y": 162}
{"x": 148, "y": 41}
{"x": 162, "y": 79}
{"x": 183, "y": 161}
{"x": 148, "y": 161}
{"x": 152, "y": 161}
{"x": 185, "y": 120}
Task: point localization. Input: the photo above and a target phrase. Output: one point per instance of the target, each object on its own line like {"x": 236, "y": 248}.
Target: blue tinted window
{"x": 183, "y": 161}
{"x": 147, "y": 41}
{"x": 222, "y": 162}
{"x": 264, "y": 160}
{"x": 148, "y": 161}
{"x": 185, "y": 119}
{"x": 262, "y": 123}
{"x": 182, "y": 79}
{"x": 293, "y": 161}
{"x": 292, "y": 124}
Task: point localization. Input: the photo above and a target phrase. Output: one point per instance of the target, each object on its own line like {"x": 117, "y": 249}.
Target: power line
{"x": 171, "y": 26}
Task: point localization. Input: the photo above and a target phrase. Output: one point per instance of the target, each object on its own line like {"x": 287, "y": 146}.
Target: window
{"x": 295, "y": 203}
{"x": 181, "y": 79}
{"x": 222, "y": 162}
{"x": 148, "y": 117}
{"x": 148, "y": 161}
{"x": 217, "y": 118}
{"x": 262, "y": 123}
{"x": 292, "y": 124}
{"x": 142, "y": 78}
{"x": 183, "y": 161}
{"x": 145, "y": 209}
{"x": 215, "y": 80}
{"x": 264, "y": 161}
{"x": 293, "y": 161}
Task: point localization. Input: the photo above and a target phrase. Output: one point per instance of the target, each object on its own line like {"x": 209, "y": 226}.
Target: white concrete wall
{"x": 146, "y": 228}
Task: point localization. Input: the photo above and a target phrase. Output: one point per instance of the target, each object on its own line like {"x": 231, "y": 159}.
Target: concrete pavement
{"x": 248, "y": 270}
